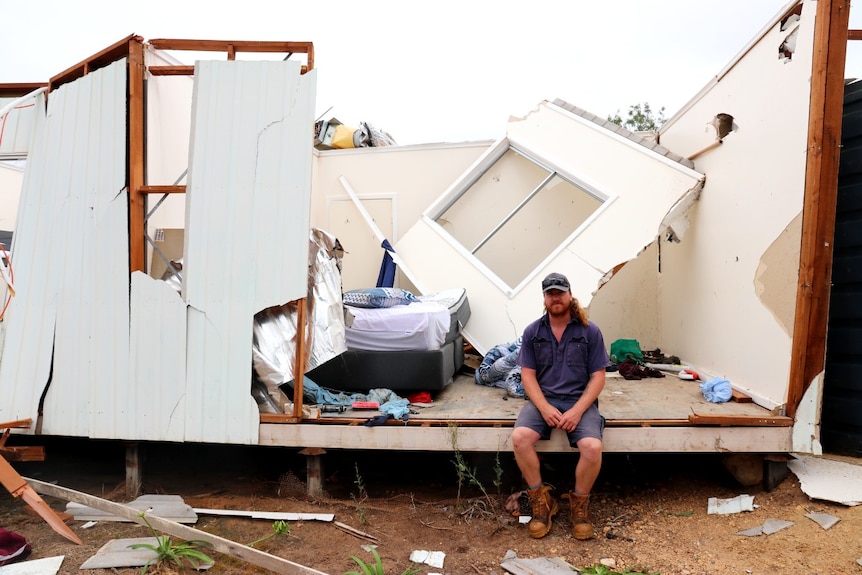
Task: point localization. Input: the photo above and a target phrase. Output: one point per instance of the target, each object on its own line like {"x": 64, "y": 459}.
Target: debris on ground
{"x": 738, "y": 504}
{"x": 825, "y": 520}
{"x": 432, "y": 558}
{"x": 828, "y": 479}
{"x": 769, "y": 527}
{"x": 539, "y": 566}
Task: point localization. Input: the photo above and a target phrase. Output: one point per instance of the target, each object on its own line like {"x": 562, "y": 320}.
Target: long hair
{"x": 578, "y": 312}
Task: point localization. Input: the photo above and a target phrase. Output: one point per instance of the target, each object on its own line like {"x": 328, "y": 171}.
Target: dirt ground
{"x": 650, "y": 510}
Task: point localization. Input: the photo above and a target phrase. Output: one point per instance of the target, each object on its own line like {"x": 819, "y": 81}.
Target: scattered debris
{"x": 539, "y": 566}
{"x": 738, "y": 504}
{"x": 825, "y": 520}
{"x": 769, "y": 527}
{"x": 46, "y": 566}
{"x": 828, "y": 479}
{"x": 118, "y": 553}
{"x": 432, "y": 558}
{"x": 269, "y": 515}
{"x": 356, "y": 532}
{"x": 219, "y": 544}
{"x": 170, "y": 507}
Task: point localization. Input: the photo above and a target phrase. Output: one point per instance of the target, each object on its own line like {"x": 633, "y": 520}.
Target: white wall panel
{"x": 247, "y": 224}
{"x": 90, "y": 254}
{"x": 158, "y": 361}
{"x": 25, "y": 362}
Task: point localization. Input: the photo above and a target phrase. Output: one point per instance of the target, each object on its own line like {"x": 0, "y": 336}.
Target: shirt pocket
{"x": 576, "y": 353}
{"x": 543, "y": 351}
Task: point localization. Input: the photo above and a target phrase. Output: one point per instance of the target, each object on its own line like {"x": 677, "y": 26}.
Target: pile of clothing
{"x": 499, "y": 368}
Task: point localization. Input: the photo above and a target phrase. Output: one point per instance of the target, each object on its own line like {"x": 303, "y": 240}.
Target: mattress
{"x": 405, "y": 354}
{"x": 427, "y": 324}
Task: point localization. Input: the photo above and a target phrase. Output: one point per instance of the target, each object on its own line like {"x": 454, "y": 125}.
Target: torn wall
{"x": 555, "y": 167}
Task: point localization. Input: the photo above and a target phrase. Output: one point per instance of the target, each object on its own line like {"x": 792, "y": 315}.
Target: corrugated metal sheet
{"x": 145, "y": 366}
{"x": 158, "y": 361}
{"x": 70, "y": 317}
{"x": 249, "y": 185}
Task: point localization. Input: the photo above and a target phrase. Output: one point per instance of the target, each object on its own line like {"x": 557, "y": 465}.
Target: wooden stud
{"x": 808, "y": 350}
{"x": 137, "y": 200}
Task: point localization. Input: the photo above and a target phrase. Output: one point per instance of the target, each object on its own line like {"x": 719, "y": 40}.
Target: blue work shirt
{"x": 563, "y": 368}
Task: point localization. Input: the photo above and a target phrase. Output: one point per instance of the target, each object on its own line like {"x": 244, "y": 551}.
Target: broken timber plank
{"x": 220, "y": 544}
{"x": 739, "y": 397}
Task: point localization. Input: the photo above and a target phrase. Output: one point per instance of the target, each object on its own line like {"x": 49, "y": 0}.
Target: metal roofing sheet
{"x": 72, "y": 237}
{"x": 249, "y": 185}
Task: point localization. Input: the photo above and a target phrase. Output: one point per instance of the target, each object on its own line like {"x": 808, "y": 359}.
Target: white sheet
{"x": 417, "y": 326}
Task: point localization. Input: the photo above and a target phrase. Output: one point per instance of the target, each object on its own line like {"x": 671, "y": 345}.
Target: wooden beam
{"x": 137, "y": 200}
{"x": 808, "y": 350}
{"x": 171, "y": 70}
{"x": 162, "y": 190}
{"x": 854, "y": 34}
{"x": 232, "y": 47}
{"x": 220, "y": 544}
{"x": 98, "y": 60}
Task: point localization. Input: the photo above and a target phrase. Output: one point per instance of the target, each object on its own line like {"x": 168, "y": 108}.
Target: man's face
{"x": 557, "y": 302}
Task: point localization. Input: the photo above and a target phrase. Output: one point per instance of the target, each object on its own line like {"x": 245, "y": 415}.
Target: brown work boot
{"x": 579, "y": 511}
{"x": 544, "y": 508}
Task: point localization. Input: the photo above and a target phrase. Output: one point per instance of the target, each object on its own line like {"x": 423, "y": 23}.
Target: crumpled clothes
{"x": 631, "y": 369}
{"x": 716, "y": 390}
{"x": 499, "y": 368}
{"x": 390, "y": 402}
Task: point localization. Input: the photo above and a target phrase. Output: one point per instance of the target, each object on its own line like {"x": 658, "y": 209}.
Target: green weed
{"x": 360, "y": 498}
{"x": 278, "y": 528}
{"x": 167, "y": 551}
{"x": 375, "y": 568}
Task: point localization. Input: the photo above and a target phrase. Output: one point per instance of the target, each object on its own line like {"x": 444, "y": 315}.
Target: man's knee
{"x": 590, "y": 448}
{"x": 523, "y": 438}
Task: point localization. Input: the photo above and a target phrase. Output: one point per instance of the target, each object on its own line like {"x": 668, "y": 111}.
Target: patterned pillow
{"x": 378, "y": 297}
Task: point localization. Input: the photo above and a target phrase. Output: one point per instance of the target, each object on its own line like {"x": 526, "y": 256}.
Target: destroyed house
{"x": 121, "y": 191}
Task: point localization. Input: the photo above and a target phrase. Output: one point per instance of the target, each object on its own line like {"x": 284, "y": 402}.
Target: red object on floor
{"x": 365, "y": 405}
{"x": 420, "y": 397}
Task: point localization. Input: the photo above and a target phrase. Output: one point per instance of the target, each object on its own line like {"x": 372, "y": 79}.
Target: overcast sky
{"x": 431, "y": 71}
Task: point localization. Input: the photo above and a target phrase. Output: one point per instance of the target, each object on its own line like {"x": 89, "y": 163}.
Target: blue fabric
{"x": 386, "y": 277}
{"x": 499, "y": 368}
{"x": 716, "y": 390}
{"x": 390, "y": 403}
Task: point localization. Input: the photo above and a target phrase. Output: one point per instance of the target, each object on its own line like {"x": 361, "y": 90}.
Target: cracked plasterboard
{"x": 828, "y": 479}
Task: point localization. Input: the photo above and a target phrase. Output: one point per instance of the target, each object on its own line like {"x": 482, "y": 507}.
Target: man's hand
{"x": 569, "y": 420}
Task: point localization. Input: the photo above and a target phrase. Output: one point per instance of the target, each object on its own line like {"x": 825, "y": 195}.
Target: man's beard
{"x": 562, "y": 310}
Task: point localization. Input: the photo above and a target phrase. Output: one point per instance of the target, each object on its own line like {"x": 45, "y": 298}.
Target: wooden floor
{"x": 666, "y": 401}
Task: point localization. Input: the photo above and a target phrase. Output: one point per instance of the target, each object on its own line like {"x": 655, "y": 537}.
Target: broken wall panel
{"x": 72, "y": 315}
{"x": 720, "y": 310}
{"x": 633, "y": 203}
{"x": 25, "y": 360}
{"x": 249, "y": 186}
{"x": 395, "y": 184}
{"x": 157, "y": 367}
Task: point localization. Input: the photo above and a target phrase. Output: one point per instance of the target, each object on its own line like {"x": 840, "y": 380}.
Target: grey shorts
{"x": 592, "y": 423}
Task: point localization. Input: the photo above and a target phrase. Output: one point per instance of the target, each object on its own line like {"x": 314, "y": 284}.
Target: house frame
{"x": 790, "y": 426}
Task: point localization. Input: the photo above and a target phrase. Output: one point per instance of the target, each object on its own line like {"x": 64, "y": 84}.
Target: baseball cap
{"x": 555, "y": 281}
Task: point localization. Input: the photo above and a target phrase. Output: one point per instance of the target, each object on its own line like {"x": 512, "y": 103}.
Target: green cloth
{"x": 623, "y": 349}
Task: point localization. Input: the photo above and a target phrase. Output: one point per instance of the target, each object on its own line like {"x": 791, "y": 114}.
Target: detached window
{"x": 516, "y": 213}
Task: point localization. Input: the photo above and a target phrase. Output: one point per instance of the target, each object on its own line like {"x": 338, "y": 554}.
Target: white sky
{"x": 432, "y": 71}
